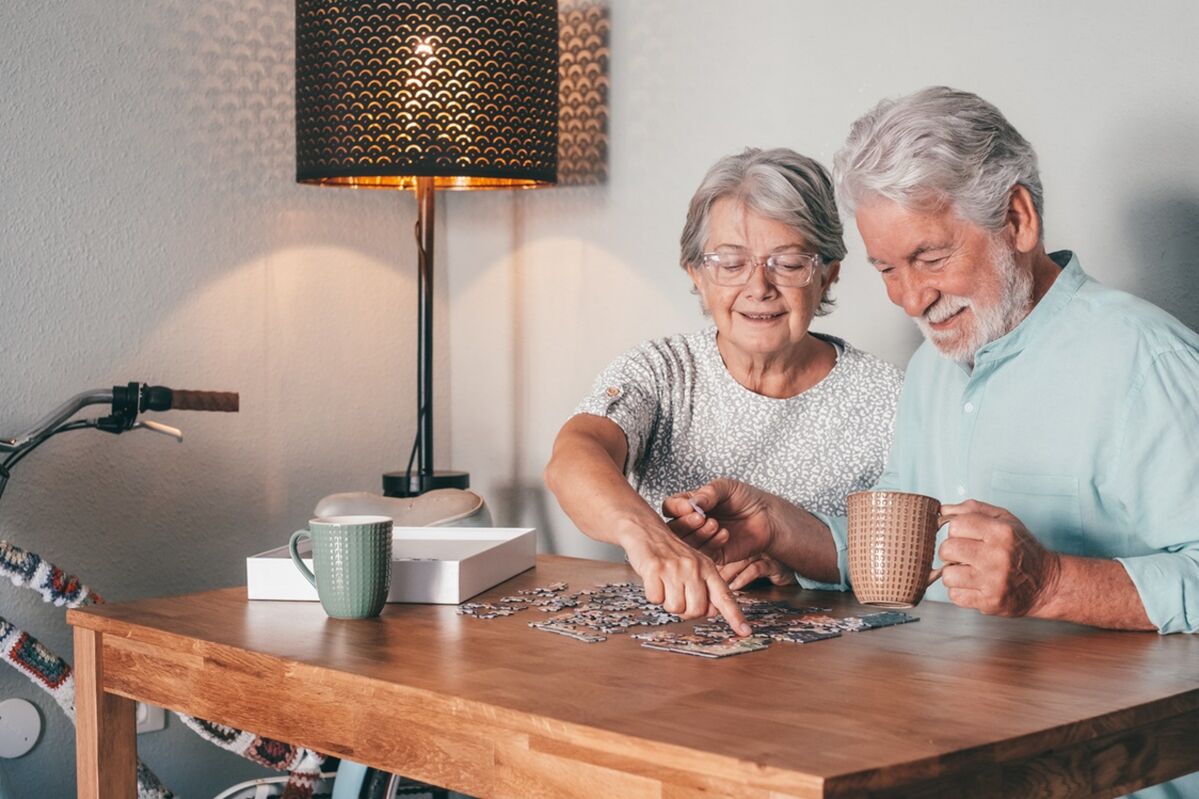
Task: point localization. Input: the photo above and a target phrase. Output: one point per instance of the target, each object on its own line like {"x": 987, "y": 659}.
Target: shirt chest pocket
{"x": 1047, "y": 504}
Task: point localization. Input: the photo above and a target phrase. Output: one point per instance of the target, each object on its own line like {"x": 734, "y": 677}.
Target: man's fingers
{"x": 958, "y": 575}
{"x": 730, "y": 570}
{"x": 713, "y": 548}
{"x": 699, "y": 538}
{"x": 677, "y": 505}
{"x": 701, "y": 535}
{"x": 783, "y": 577}
{"x": 966, "y": 597}
{"x": 750, "y": 573}
{"x": 966, "y": 526}
{"x": 960, "y": 549}
{"x": 974, "y": 506}
{"x": 699, "y": 501}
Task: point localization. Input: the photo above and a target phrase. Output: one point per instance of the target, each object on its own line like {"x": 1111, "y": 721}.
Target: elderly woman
{"x": 757, "y": 396}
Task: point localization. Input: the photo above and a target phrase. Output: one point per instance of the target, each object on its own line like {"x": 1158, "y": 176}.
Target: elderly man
{"x": 1061, "y": 417}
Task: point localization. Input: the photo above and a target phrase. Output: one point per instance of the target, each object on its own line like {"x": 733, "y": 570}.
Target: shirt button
{"x": 968, "y": 407}
{"x": 613, "y": 391}
{"x": 961, "y": 491}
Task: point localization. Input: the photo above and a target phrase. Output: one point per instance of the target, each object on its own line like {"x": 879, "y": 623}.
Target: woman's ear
{"x": 831, "y": 273}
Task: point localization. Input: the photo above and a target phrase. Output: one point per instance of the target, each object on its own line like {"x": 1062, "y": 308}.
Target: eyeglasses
{"x": 791, "y": 269}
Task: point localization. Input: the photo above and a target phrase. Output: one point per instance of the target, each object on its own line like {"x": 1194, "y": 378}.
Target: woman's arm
{"x": 586, "y": 475}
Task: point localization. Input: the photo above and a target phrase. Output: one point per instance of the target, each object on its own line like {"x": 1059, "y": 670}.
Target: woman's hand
{"x": 683, "y": 580}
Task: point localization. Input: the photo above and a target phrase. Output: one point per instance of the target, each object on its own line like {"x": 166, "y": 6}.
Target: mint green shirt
{"x": 1084, "y": 423}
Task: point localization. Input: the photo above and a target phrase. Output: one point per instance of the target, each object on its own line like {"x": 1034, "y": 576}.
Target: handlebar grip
{"x": 223, "y": 401}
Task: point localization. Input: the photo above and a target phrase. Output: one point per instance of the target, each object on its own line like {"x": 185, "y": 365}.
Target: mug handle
{"x": 935, "y": 574}
{"x": 293, "y": 548}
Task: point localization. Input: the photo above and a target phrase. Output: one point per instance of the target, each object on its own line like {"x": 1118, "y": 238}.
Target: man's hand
{"x": 743, "y": 572}
{"x": 681, "y": 579}
{"x": 993, "y": 563}
{"x": 736, "y": 522}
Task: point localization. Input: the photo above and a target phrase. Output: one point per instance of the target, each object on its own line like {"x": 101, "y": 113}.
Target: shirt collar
{"x": 1059, "y": 295}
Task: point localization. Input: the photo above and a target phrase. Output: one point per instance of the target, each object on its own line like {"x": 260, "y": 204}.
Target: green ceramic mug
{"x": 352, "y": 559}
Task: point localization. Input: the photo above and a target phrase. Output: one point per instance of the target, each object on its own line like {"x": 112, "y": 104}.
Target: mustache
{"x": 947, "y": 306}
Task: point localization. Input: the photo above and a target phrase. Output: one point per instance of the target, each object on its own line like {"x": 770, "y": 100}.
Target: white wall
{"x": 546, "y": 287}
{"x": 152, "y": 230}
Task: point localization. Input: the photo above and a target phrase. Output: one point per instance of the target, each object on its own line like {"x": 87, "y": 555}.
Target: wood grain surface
{"x": 955, "y": 704}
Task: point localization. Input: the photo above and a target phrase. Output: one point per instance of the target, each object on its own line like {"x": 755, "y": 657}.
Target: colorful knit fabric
{"x": 47, "y": 670}
{"x": 149, "y": 786}
{"x": 29, "y": 570}
{"x": 265, "y": 751}
{"x": 53, "y": 675}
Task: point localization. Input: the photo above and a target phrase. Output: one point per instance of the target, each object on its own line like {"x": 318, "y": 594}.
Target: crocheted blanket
{"x": 53, "y": 675}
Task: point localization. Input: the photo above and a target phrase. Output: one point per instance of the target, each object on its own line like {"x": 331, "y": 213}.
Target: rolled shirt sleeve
{"x": 838, "y": 528}
{"x": 1158, "y": 483}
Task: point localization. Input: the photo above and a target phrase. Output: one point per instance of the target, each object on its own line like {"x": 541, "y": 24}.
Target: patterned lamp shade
{"x": 465, "y": 93}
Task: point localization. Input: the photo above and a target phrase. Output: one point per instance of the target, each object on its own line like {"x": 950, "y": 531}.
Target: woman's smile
{"x": 762, "y": 317}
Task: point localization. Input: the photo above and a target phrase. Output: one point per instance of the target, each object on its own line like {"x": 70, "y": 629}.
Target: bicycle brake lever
{"x": 159, "y": 427}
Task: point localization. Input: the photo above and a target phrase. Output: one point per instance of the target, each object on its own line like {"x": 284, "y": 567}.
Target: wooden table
{"x": 957, "y": 704}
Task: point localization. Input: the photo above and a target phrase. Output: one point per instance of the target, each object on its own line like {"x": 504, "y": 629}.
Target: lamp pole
{"x": 424, "y": 363}
{"x": 408, "y": 483}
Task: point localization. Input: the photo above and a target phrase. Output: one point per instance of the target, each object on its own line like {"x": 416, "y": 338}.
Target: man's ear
{"x": 1022, "y": 220}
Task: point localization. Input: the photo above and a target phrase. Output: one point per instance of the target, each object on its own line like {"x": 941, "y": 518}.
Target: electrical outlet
{"x": 150, "y": 718}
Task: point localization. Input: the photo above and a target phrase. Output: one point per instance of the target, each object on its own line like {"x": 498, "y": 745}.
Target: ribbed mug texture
{"x": 892, "y": 540}
{"x": 351, "y": 556}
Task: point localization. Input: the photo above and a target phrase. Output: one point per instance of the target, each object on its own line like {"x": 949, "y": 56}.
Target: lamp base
{"x": 399, "y": 484}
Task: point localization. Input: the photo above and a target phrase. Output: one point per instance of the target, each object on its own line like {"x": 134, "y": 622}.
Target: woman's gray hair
{"x": 934, "y": 147}
{"x": 779, "y": 184}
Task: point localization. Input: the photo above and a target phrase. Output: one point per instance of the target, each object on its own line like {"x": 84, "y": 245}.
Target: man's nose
{"x": 913, "y": 292}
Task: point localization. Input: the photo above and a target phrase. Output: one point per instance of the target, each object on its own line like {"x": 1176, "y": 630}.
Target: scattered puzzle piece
{"x": 591, "y": 615}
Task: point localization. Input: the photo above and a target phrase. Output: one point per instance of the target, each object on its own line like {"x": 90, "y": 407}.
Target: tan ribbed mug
{"x": 892, "y": 540}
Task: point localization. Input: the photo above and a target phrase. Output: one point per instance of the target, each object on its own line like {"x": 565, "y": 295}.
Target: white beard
{"x": 990, "y": 322}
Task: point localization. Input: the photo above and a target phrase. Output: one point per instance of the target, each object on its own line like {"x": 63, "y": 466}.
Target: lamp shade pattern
{"x": 463, "y": 92}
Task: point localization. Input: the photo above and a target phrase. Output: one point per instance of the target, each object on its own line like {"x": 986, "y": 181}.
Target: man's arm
{"x": 994, "y": 565}
{"x": 740, "y": 521}
{"x": 1095, "y": 592}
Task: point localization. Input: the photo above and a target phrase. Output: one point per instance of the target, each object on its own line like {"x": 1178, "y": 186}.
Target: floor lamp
{"x": 425, "y": 96}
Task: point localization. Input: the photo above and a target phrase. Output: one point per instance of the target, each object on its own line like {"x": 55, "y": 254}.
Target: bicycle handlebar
{"x": 161, "y": 398}
{"x": 127, "y": 401}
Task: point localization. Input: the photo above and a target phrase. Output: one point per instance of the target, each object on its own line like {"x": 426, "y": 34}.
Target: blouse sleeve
{"x": 628, "y": 393}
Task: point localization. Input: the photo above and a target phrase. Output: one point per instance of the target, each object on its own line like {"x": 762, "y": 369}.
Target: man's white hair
{"x": 938, "y": 147}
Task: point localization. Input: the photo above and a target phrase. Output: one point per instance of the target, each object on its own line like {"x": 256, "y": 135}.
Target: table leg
{"x": 105, "y": 728}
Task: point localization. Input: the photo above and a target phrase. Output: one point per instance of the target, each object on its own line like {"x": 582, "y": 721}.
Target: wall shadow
{"x": 519, "y": 497}
{"x": 1165, "y": 231}
{"x": 583, "y": 34}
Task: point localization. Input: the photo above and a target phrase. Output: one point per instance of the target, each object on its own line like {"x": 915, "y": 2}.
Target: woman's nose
{"x": 759, "y": 283}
